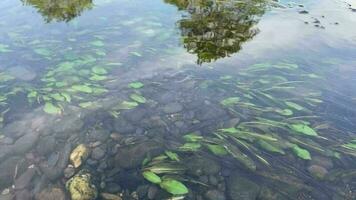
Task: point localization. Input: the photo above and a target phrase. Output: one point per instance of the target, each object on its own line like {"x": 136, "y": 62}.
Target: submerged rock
{"x": 79, "y": 155}
{"x": 131, "y": 156}
{"x": 198, "y": 166}
{"x": 8, "y": 170}
{"x": 317, "y": 171}
{"x": 51, "y": 193}
{"x": 172, "y": 108}
{"x": 108, "y": 196}
{"x": 22, "y": 73}
{"x": 80, "y": 187}
{"x": 240, "y": 188}
{"x": 214, "y": 195}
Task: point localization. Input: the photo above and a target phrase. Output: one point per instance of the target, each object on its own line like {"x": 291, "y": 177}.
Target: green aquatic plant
{"x": 136, "y": 85}
{"x": 164, "y": 170}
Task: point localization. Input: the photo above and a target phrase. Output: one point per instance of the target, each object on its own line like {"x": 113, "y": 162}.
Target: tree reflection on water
{"x": 217, "y": 29}
{"x": 59, "y": 10}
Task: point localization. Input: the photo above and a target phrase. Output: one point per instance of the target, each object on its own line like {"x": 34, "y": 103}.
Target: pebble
{"x": 214, "y": 195}
{"x": 97, "y": 153}
{"x": 108, "y": 196}
{"x": 317, "y": 171}
{"x": 172, "y": 108}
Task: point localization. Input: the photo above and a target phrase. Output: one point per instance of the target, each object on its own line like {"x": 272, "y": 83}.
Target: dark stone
{"x": 142, "y": 191}
{"x": 98, "y": 153}
{"x": 24, "y": 180}
{"x": 213, "y": 180}
{"x": 198, "y": 166}
{"x": 98, "y": 135}
{"x": 214, "y": 195}
{"x": 112, "y": 187}
{"x": 46, "y": 145}
{"x": 51, "y": 193}
{"x": 23, "y": 195}
{"x": 303, "y": 12}
{"x": 136, "y": 116}
{"x": 210, "y": 112}
{"x": 123, "y": 126}
{"x": 131, "y": 156}
{"x": 152, "y": 191}
{"x": 69, "y": 171}
{"x": 241, "y": 188}
{"x": 54, "y": 172}
{"x": 8, "y": 170}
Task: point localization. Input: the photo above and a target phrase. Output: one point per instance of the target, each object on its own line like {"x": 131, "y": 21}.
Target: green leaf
{"x": 152, "y": 177}
{"x": 190, "y": 146}
{"x": 138, "y": 98}
{"x": 303, "y": 129}
{"x": 82, "y": 88}
{"x": 97, "y": 43}
{"x": 57, "y": 97}
{"x": 136, "y": 85}
{"x": 96, "y": 77}
{"x": 98, "y": 90}
{"x": 217, "y": 149}
{"x": 274, "y": 148}
{"x": 285, "y": 112}
{"x": 43, "y": 52}
{"x": 51, "y": 109}
{"x": 294, "y": 105}
{"x": 126, "y": 105}
{"x": 173, "y": 186}
{"x": 172, "y": 155}
{"x": 88, "y": 104}
{"x": 32, "y": 94}
{"x": 301, "y": 153}
{"x": 230, "y": 101}
{"x": 351, "y": 145}
{"x": 99, "y": 70}
{"x": 66, "y": 96}
{"x": 192, "y": 137}
{"x": 5, "y": 77}
{"x": 4, "y": 48}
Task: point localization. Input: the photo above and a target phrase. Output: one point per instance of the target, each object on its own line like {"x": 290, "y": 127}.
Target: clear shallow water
{"x": 247, "y": 101}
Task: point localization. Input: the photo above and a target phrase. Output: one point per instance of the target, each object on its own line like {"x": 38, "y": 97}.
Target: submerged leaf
{"x": 190, "y": 146}
{"x": 97, "y": 43}
{"x": 294, "y": 105}
{"x": 217, "y": 149}
{"x": 136, "y": 85}
{"x": 172, "y": 155}
{"x": 51, "y": 109}
{"x": 304, "y": 129}
{"x": 43, "y": 52}
{"x": 152, "y": 177}
{"x": 126, "y": 105}
{"x": 174, "y": 187}
{"x": 192, "y": 137}
{"x": 285, "y": 112}
{"x": 96, "y": 77}
{"x": 82, "y": 88}
{"x": 270, "y": 147}
{"x": 230, "y": 101}
{"x": 99, "y": 70}
{"x": 138, "y": 98}
{"x": 301, "y": 153}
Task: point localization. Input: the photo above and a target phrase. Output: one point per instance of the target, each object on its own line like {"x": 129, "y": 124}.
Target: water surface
{"x": 177, "y": 99}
